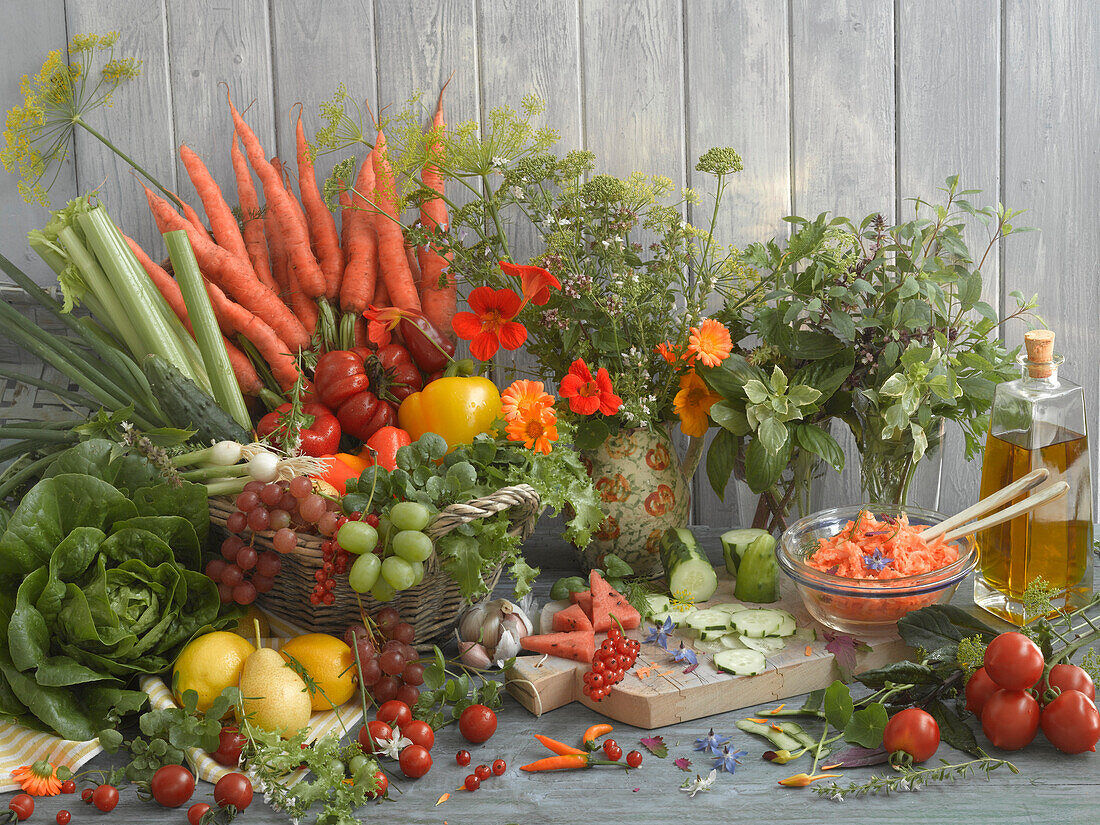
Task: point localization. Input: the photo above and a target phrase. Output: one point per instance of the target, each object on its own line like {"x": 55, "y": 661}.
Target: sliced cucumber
{"x": 755, "y": 623}
{"x": 690, "y": 574}
{"x": 787, "y": 625}
{"x": 729, "y": 607}
{"x": 708, "y": 645}
{"x": 678, "y": 614}
{"x": 740, "y": 662}
{"x": 709, "y": 620}
{"x": 735, "y": 543}
{"x": 768, "y": 645}
{"x": 712, "y": 635}
{"x": 658, "y": 603}
{"x": 733, "y": 641}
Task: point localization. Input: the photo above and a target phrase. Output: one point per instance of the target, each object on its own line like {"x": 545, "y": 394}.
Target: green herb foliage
{"x": 455, "y": 688}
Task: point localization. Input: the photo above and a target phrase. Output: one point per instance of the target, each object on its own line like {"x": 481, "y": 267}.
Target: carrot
{"x": 254, "y": 240}
{"x": 233, "y": 275}
{"x": 360, "y": 279}
{"x": 322, "y": 224}
{"x": 192, "y": 216}
{"x": 247, "y": 378}
{"x": 381, "y": 296}
{"x": 295, "y": 205}
{"x": 303, "y": 307}
{"x": 359, "y": 331}
{"x": 557, "y": 763}
{"x": 414, "y": 265}
{"x": 277, "y": 251}
{"x": 595, "y": 732}
{"x": 392, "y": 263}
{"x": 300, "y": 256}
{"x": 438, "y": 292}
{"x": 560, "y": 748}
{"x": 223, "y": 224}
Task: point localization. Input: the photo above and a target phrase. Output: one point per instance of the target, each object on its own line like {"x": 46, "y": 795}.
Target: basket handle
{"x": 520, "y": 496}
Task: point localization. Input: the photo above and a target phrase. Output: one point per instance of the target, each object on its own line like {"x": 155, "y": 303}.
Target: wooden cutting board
{"x": 657, "y": 692}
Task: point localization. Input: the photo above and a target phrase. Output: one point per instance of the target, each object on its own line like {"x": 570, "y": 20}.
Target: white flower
{"x": 499, "y": 161}
{"x": 836, "y": 796}
{"x": 393, "y": 746}
{"x": 693, "y": 786}
{"x": 903, "y": 784}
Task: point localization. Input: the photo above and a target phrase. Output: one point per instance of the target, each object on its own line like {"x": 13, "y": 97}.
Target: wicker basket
{"x": 430, "y": 607}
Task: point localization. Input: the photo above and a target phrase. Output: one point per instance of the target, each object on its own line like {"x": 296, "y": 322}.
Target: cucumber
{"x": 709, "y": 620}
{"x": 778, "y": 737}
{"x": 658, "y": 603}
{"x": 766, "y": 645}
{"x": 733, "y": 641}
{"x": 785, "y": 621}
{"x": 758, "y": 572}
{"x": 735, "y": 543}
{"x": 756, "y": 624}
{"x": 730, "y": 607}
{"x": 690, "y": 575}
{"x": 740, "y": 662}
{"x": 708, "y": 645}
{"x": 188, "y": 406}
{"x": 712, "y": 635}
{"x": 677, "y": 613}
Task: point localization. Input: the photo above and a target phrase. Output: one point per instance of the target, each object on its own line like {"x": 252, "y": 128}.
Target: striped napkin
{"x": 22, "y": 746}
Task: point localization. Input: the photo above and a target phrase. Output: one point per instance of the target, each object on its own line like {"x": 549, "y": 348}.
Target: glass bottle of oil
{"x": 1037, "y": 421}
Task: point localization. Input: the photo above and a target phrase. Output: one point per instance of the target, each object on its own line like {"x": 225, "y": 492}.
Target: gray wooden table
{"x": 1051, "y": 786}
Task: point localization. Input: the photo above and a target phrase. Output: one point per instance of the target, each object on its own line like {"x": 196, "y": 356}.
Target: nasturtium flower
{"x": 588, "y": 394}
{"x": 709, "y": 343}
{"x": 692, "y": 403}
{"x": 535, "y": 282}
{"x": 667, "y": 351}
{"x": 490, "y": 325}
{"x": 381, "y": 323}
{"x": 801, "y": 780}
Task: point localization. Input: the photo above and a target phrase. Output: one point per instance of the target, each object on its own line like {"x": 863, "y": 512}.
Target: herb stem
{"x": 77, "y": 120}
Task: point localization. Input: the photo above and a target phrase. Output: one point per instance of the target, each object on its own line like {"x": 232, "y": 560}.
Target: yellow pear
{"x": 273, "y": 696}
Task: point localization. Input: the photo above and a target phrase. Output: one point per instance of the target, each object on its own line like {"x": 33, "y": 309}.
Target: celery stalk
{"x": 207, "y": 333}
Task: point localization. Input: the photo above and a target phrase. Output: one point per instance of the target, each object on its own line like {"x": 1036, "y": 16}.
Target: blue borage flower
{"x": 877, "y": 561}
{"x": 728, "y": 760}
{"x": 711, "y": 743}
{"x": 685, "y": 655}
{"x": 659, "y": 635}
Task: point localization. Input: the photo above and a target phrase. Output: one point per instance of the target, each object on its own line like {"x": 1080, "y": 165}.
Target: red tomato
{"x": 22, "y": 805}
{"x": 230, "y": 744}
{"x": 375, "y": 730}
{"x": 105, "y": 797}
{"x": 415, "y": 761}
{"x": 195, "y": 812}
{"x": 1070, "y": 677}
{"x": 233, "y": 789}
{"x": 477, "y": 723}
{"x": 395, "y": 713}
{"x": 420, "y": 733}
{"x": 1071, "y": 722}
{"x": 979, "y": 688}
{"x": 1010, "y": 719}
{"x": 383, "y": 783}
{"x": 172, "y": 785}
{"x": 1013, "y": 661}
{"x": 912, "y": 731}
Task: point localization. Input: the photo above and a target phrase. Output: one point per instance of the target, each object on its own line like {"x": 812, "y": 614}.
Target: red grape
{"x": 246, "y": 558}
{"x": 408, "y": 694}
{"x": 271, "y": 494}
{"x": 263, "y": 584}
{"x": 301, "y": 486}
{"x": 386, "y": 619}
{"x": 247, "y": 500}
{"x": 232, "y": 575}
{"x": 403, "y": 632}
{"x": 385, "y": 689}
{"x": 259, "y": 519}
{"x": 237, "y": 522}
{"x": 371, "y": 671}
{"x": 214, "y": 569}
{"x": 289, "y": 503}
{"x": 413, "y": 674}
{"x": 391, "y": 662}
{"x": 254, "y": 487}
{"x": 312, "y": 508}
{"x": 225, "y": 593}
{"x": 269, "y": 564}
{"x": 244, "y": 593}
{"x": 285, "y": 540}
{"x": 278, "y": 519}
{"x": 326, "y": 525}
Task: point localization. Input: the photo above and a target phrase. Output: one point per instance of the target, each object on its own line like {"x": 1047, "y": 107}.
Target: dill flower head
{"x": 721, "y": 160}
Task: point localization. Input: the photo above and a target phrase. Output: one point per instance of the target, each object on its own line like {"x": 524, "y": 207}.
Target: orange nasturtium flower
{"x": 523, "y": 399}
{"x": 692, "y": 403}
{"x": 535, "y": 282}
{"x": 382, "y": 322}
{"x": 39, "y": 779}
{"x": 537, "y": 430}
{"x": 588, "y": 394}
{"x": 709, "y": 343}
{"x": 801, "y": 780}
{"x": 491, "y": 325}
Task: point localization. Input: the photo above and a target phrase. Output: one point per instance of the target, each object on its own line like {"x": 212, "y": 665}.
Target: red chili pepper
{"x": 382, "y": 447}
{"x": 343, "y": 383}
{"x": 429, "y": 348}
{"x": 319, "y": 429}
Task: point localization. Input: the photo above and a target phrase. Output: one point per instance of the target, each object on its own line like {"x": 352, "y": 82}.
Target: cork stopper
{"x": 1040, "y": 352}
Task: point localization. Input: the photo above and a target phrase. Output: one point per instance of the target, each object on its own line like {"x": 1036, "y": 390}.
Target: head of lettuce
{"x": 99, "y": 583}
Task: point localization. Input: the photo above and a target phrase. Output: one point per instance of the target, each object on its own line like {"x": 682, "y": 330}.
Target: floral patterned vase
{"x": 638, "y": 477}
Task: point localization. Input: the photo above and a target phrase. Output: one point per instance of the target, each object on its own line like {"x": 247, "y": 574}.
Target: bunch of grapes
{"x": 241, "y": 573}
{"x": 617, "y": 654}
{"x": 391, "y": 551}
{"x": 390, "y": 665}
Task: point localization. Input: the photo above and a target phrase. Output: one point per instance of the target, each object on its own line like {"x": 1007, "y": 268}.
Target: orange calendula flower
{"x": 801, "y": 780}
{"x": 667, "y": 351}
{"x": 537, "y": 432}
{"x": 535, "y": 282}
{"x": 490, "y": 325}
{"x": 525, "y": 399}
{"x": 709, "y": 343}
{"x": 39, "y": 779}
{"x": 692, "y": 403}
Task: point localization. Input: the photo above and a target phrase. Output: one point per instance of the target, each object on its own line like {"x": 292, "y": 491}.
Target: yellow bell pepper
{"x": 455, "y": 408}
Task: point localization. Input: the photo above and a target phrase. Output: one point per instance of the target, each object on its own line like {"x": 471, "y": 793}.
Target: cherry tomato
{"x": 68, "y": 786}
{"x": 419, "y": 733}
{"x": 912, "y": 731}
{"x": 1070, "y": 677}
{"x": 1013, "y": 661}
{"x": 1071, "y": 722}
{"x": 233, "y": 789}
{"x": 477, "y": 723}
{"x": 415, "y": 761}
{"x": 1010, "y": 719}
{"x": 376, "y": 730}
{"x": 634, "y": 759}
{"x": 105, "y": 797}
{"x": 63, "y": 818}
{"x": 86, "y": 796}
{"x": 230, "y": 744}
{"x": 396, "y": 713}
{"x": 195, "y": 812}
{"x": 979, "y": 688}
{"x": 382, "y": 784}
{"x": 463, "y": 758}
{"x": 172, "y": 785}
{"x": 499, "y": 767}
{"x": 22, "y": 804}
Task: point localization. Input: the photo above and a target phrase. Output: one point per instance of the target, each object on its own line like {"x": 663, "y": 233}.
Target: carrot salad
{"x": 868, "y": 548}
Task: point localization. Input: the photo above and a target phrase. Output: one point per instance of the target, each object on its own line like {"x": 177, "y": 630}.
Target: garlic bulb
{"x": 489, "y": 632}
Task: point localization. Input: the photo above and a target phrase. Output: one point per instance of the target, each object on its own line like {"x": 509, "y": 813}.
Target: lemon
{"x": 329, "y": 664}
{"x": 246, "y": 625}
{"x": 210, "y": 664}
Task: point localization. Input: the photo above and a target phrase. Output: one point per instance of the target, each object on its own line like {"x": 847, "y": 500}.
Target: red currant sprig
{"x": 617, "y": 654}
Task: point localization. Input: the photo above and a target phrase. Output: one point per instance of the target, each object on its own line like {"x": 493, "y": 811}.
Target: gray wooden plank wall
{"x": 838, "y": 105}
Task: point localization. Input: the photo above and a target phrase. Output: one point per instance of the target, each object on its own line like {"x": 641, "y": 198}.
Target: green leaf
{"x": 462, "y": 561}
{"x": 730, "y": 418}
{"x": 939, "y": 625}
{"x": 900, "y": 673}
{"x": 844, "y": 324}
{"x": 953, "y": 730}
{"x": 616, "y": 568}
{"x": 773, "y": 435}
{"x": 756, "y": 391}
{"x": 721, "y": 458}
{"x": 762, "y": 469}
{"x": 431, "y": 446}
{"x": 591, "y": 433}
{"x": 838, "y": 705}
{"x": 728, "y": 379}
{"x": 826, "y": 375}
{"x": 812, "y": 346}
{"x": 778, "y": 381}
{"x": 866, "y": 726}
{"x": 819, "y": 442}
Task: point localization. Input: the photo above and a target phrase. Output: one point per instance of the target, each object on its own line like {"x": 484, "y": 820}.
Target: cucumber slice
{"x": 729, "y": 607}
{"x": 740, "y": 662}
{"x": 713, "y": 635}
{"x": 735, "y": 543}
{"x": 658, "y": 603}
{"x": 690, "y": 574}
{"x": 756, "y": 623}
{"x": 787, "y": 625}
{"x": 708, "y": 645}
{"x": 733, "y": 641}
{"x": 758, "y": 572}
{"x": 709, "y": 620}
{"x": 678, "y": 614}
{"x": 768, "y": 645}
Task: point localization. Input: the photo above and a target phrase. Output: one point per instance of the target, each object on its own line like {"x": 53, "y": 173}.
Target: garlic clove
{"x": 507, "y": 647}
{"x": 474, "y": 655}
{"x": 469, "y": 623}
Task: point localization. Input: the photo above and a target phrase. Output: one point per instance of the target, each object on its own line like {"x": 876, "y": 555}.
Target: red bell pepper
{"x": 318, "y": 428}
{"x": 429, "y": 348}
{"x": 342, "y": 383}
{"x": 382, "y": 447}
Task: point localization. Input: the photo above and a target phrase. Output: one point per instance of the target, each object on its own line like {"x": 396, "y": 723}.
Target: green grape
{"x": 397, "y": 573}
{"x": 364, "y": 572}
{"x": 409, "y": 515}
{"x": 418, "y": 572}
{"x": 411, "y": 545}
{"x": 382, "y": 592}
{"x": 357, "y": 537}
{"x": 385, "y": 529}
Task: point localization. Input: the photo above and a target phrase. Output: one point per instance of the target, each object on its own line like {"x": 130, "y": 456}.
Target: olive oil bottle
{"x": 1037, "y": 421}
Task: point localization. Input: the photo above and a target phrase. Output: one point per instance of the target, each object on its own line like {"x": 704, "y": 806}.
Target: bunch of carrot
{"x": 277, "y": 279}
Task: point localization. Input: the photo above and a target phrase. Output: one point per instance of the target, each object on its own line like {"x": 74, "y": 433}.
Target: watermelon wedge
{"x": 584, "y": 599}
{"x": 578, "y": 645}
{"x": 601, "y": 602}
{"x": 623, "y": 610}
{"x": 572, "y": 618}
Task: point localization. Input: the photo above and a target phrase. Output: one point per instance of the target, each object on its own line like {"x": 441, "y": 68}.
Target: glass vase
{"x": 887, "y": 466}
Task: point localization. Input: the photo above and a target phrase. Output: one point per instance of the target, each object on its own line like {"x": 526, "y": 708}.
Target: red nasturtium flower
{"x": 588, "y": 394}
{"x": 535, "y": 282}
{"x": 490, "y": 325}
{"x": 523, "y": 399}
{"x": 382, "y": 322}
{"x": 709, "y": 343}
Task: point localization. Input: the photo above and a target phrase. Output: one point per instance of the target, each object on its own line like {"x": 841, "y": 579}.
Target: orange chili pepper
{"x": 558, "y": 763}
{"x": 560, "y": 748}
{"x": 594, "y": 732}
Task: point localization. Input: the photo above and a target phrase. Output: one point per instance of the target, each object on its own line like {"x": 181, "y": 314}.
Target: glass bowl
{"x": 866, "y": 608}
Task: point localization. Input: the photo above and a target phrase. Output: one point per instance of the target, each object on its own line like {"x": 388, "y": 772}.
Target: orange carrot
{"x": 381, "y": 296}
{"x": 277, "y": 250}
{"x": 299, "y": 254}
{"x": 438, "y": 293}
{"x": 247, "y": 378}
{"x": 254, "y": 240}
{"x": 232, "y": 274}
{"x": 359, "y": 332}
{"x": 392, "y": 263}
{"x": 192, "y": 216}
{"x": 295, "y": 205}
{"x": 322, "y": 224}
{"x": 560, "y": 748}
{"x": 223, "y": 224}
{"x": 557, "y": 763}
{"x": 360, "y": 279}
{"x": 414, "y": 265}
{"x": 303, "y": 307}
